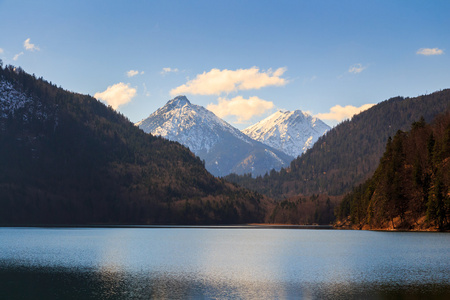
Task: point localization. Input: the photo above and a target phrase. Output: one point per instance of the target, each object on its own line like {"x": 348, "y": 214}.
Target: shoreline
{"x": 168, "y": 226}
{"x": 220, "y": 226}
{"x": 389, "y": 229}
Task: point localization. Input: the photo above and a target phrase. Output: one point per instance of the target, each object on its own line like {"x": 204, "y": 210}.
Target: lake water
{"x": 222, "y": 263}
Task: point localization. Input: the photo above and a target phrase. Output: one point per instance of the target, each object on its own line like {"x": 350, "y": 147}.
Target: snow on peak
{"x": 292, "y": 132}
{"x": 224, "y": 148}
{"x": 179, "y": 101}
{"x": 191, "y": 125}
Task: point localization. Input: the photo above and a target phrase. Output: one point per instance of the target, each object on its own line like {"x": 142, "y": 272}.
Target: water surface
{"x": 222, "y": 263}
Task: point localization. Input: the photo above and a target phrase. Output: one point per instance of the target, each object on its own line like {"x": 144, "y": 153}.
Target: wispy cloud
{"x": 29, "y": 46}
{"x": 117, "y": 94}
{"x": 340, "y": 113}
{"x": 132, "y": 73}
{"x": 430, "y": 51}
{"x": 309, "y": 79}
{"x": 169, "y": 70}
{"x": 242, "y": 109}
{"x": 1, "y": 51}
{"x": 356, "y": 68}
{"x": 146, "y": 92}
{"x": 216, "y": 82}
{"x": 16, "y": 57}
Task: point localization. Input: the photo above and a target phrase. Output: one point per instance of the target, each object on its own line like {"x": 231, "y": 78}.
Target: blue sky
{"x": 242, "y": 59}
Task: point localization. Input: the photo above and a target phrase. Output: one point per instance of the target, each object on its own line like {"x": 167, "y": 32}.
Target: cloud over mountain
{"x": 243, "y": 109}
{"x": 117, "y": 94}
{"x": 16, "y": 57}
{"x": 216, "y": 82}
{"x": 340, "y": 113}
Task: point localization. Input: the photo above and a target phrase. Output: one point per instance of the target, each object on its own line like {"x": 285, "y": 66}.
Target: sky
{"x": 243, "y": 60}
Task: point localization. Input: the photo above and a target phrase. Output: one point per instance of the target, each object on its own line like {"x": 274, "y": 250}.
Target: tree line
{"x": 411, "y": 186}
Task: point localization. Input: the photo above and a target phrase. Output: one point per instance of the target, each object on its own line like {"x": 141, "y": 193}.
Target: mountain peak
{"x": 224, "y": 148}
{"x": 289, "y": 113}
{"x": 179, "y": 100}
{"x": 292, "y": 132}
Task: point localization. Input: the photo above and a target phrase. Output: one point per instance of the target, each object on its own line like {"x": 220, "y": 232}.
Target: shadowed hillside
{"x": 411, "y": 186}
{"x": 349, "y": 153}
{"x": 66, "y": 158}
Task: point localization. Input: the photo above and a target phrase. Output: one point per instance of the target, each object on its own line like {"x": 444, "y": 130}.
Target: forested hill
{"x": 349, "y": 153}
{"x": 411, "y": 187}
{"x": 66, "y": 158}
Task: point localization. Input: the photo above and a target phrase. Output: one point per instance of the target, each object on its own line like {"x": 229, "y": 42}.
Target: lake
{"x": 222, "y": 263}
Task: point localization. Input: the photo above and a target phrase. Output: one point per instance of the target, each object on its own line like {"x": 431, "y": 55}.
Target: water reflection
{"x": 57, "y": 283}
{"x": 222, "y": 264}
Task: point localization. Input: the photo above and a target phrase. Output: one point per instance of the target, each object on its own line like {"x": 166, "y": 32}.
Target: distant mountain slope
{"x": 224, "y": 148}
{"x": 66, "y": 158}
{"x": 292, "y": 132}
{"x": 350, "y": 152}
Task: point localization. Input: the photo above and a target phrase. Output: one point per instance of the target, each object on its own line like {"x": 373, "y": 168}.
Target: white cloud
{"x": 356, "y": 68}
{"x": 339, "y": 113}
{"x": 117, "y": 94}
{"x": 132, "y": 73}
{"x": 29, "y": 46}
{"x": 430, "y": 51}
{"x": 1, "y": 51}
{"x": 16, "y": 57}
{"x": 169, "y": 70}
{"x": 243, "y": 109}
{"x": 216, "y": 82}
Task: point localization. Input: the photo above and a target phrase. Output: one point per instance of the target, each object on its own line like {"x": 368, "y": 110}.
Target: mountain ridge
{"x": 292, "y": 132}
{"x": 349, "y": 153}
{"x": 224, "y": 148}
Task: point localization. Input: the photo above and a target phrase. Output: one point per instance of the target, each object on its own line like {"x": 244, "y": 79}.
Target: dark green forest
{"x": 66, "y": 158}
{"x": 348, "y": 154}
{"x": 411, "y": 187}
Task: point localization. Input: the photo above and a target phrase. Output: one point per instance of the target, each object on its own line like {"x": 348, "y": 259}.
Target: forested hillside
{"x": 66, "y": 158}
{"x": 349, "y": 153}
{"x": 411, "y": 187}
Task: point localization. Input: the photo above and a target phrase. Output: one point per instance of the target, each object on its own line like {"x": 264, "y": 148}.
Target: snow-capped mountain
{"x": 292, "y": 132}
{"x": 224, "y": 149}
